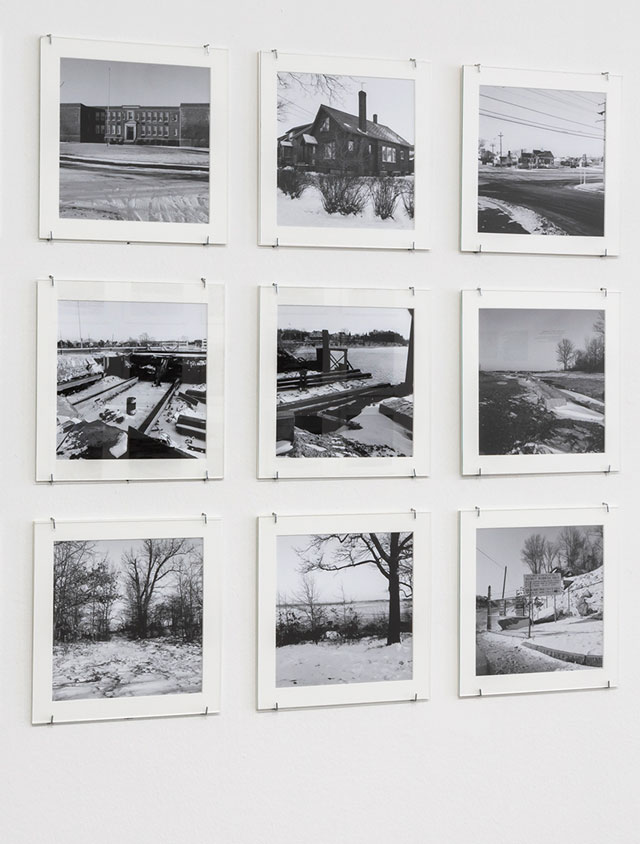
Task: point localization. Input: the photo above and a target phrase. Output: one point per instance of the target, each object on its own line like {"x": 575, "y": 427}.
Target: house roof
{"x": 377, "y": 131}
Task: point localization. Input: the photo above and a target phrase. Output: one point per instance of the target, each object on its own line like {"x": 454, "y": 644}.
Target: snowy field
{"x": 136, "y": 154}
{"x": 112, "y": 183}
{"x": 329, "y": 663}
{"x": 124, "y": 668}
{"x": 307, "y": 210}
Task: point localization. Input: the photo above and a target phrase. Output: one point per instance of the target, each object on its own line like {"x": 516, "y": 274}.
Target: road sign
{"x": 543, "y": 584}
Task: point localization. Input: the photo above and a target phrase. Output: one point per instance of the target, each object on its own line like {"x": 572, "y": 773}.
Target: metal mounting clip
{"x": 477, "y": 511}
{"x": 415, "y": 512}
{"x": 275, "y": 518}
{"x": 605, "y": 504}
{"x": 275, "y": 54}
{"x": 53, "y": 522}
{"x": 204, "y": 516}
{"x": 206, "y": 48}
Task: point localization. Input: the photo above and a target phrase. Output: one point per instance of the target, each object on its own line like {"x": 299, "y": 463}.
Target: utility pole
{"x": 489, "y": 608}
{"x": 501, "y": 136}
{"x": 504, "y": 583}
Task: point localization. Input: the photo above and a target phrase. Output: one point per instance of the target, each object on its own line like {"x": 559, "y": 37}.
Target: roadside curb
{"x": 590, "y": 660}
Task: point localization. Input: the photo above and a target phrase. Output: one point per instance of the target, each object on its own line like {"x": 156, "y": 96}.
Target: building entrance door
{"x": 130, "y": 132}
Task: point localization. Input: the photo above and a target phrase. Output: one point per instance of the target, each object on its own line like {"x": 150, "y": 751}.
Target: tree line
{"x": 292, "y": 336}
{"x": 576, "y": 550}
{"x": 153, "y": 590}
{"x": 589, "y": 359}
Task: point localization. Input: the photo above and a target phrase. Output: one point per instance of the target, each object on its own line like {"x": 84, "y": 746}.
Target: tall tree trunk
{"x": 393, "y": 628}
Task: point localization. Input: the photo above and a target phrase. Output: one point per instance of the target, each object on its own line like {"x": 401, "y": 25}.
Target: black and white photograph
{"x": 131, "y": 380}
{"x": 127, "y": 617}
{"x": 345, "y": 382}
{"x": 134, "y": 141}
{"x": 539, "y": 599}
{"x": 541, "y": 161}
{"x": 344, "y": 611}
{"x": 345, "y": 151}
{"x": 541, "y": 381}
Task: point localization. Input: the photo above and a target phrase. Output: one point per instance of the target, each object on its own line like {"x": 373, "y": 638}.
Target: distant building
{"x": 337, "y": 141}
{"x": 537, "y": 158}
{"x": 186, "y": 125}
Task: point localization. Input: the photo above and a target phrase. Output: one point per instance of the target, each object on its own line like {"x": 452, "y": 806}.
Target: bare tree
{"x": 308, "y": 598}
{"x": 329, "y": 85}
{"x": 390, "y": 553}
{"x": 145, "y": 571}
{"x": 565, "y": 353}
{"x": 533, "y": 552}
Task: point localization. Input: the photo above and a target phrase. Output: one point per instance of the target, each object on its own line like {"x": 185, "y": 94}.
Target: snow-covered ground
{"x": 500, "y": 654}
{"x": 530, "y": 221}
{"x": 330, "y": 663}
{"x": 377, "y": 429}
{"x": 307, "y": 210}
{"x": 334, "y": 388}
{"x": 124, "y": 668}
{"x": 136, "y": 153}
{"x": 592, "y": 187}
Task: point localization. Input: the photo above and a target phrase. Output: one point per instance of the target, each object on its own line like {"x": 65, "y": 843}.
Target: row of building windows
{"x": 118, "y": 114}
{"x": 148, "y": 131}
{"x": 388, "y": 153}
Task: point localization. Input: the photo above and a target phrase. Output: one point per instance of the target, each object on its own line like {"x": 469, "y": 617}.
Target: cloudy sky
{"x": 121, "y": 320}
{"x": 338, "y": 318}
{"x": 364, "y": 583}
{"x": 526, "y": 339}
{"x": 88, "y": 81}
{"x": 567, "y": 123}
{"x": 391, "y": 99}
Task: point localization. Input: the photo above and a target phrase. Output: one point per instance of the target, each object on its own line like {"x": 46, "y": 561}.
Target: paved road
{"x": 552, "y": 195}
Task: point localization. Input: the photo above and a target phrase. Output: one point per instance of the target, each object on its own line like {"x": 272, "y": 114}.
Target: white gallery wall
{"x": 557, "y": 767}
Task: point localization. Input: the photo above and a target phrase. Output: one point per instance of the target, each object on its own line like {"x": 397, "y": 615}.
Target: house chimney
{"x": 375, "y": 118}
{"x": 362, "y": 111}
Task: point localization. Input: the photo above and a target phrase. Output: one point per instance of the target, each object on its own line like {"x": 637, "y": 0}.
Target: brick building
{"x": 338, "y": 142}
{"x": 186, "y": 125}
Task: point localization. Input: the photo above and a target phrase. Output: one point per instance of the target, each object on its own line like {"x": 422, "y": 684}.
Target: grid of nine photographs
{"x": 127, "y": 613}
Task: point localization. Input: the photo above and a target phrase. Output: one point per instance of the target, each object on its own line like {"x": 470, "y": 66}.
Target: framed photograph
{"x": 538, "y": 600}
{"x": 133, "y": 142}
{"x": 540, "y": 161}
{"x": 343, "y": 609}
{"x": 344, "y": 152}
{"x": 540, "y": 382}
{"x": 130, "y": 381}
{"x": 344, "y": 382}
{"x": 126, "y": 619}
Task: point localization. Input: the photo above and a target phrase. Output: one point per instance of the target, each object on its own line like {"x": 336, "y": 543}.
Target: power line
{"x": 497, "y": 116}
{"x": 500, "y": 566}
{"x": 537, "y": 111}
{"x": 558, "y": 98}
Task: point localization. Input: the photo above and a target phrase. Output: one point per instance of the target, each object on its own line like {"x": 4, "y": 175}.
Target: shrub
{"x": 342, "y": 194}
{"x": 292, "y": 182}
{"x": 385, "y": 193}
{"x": 408, "y": 199}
